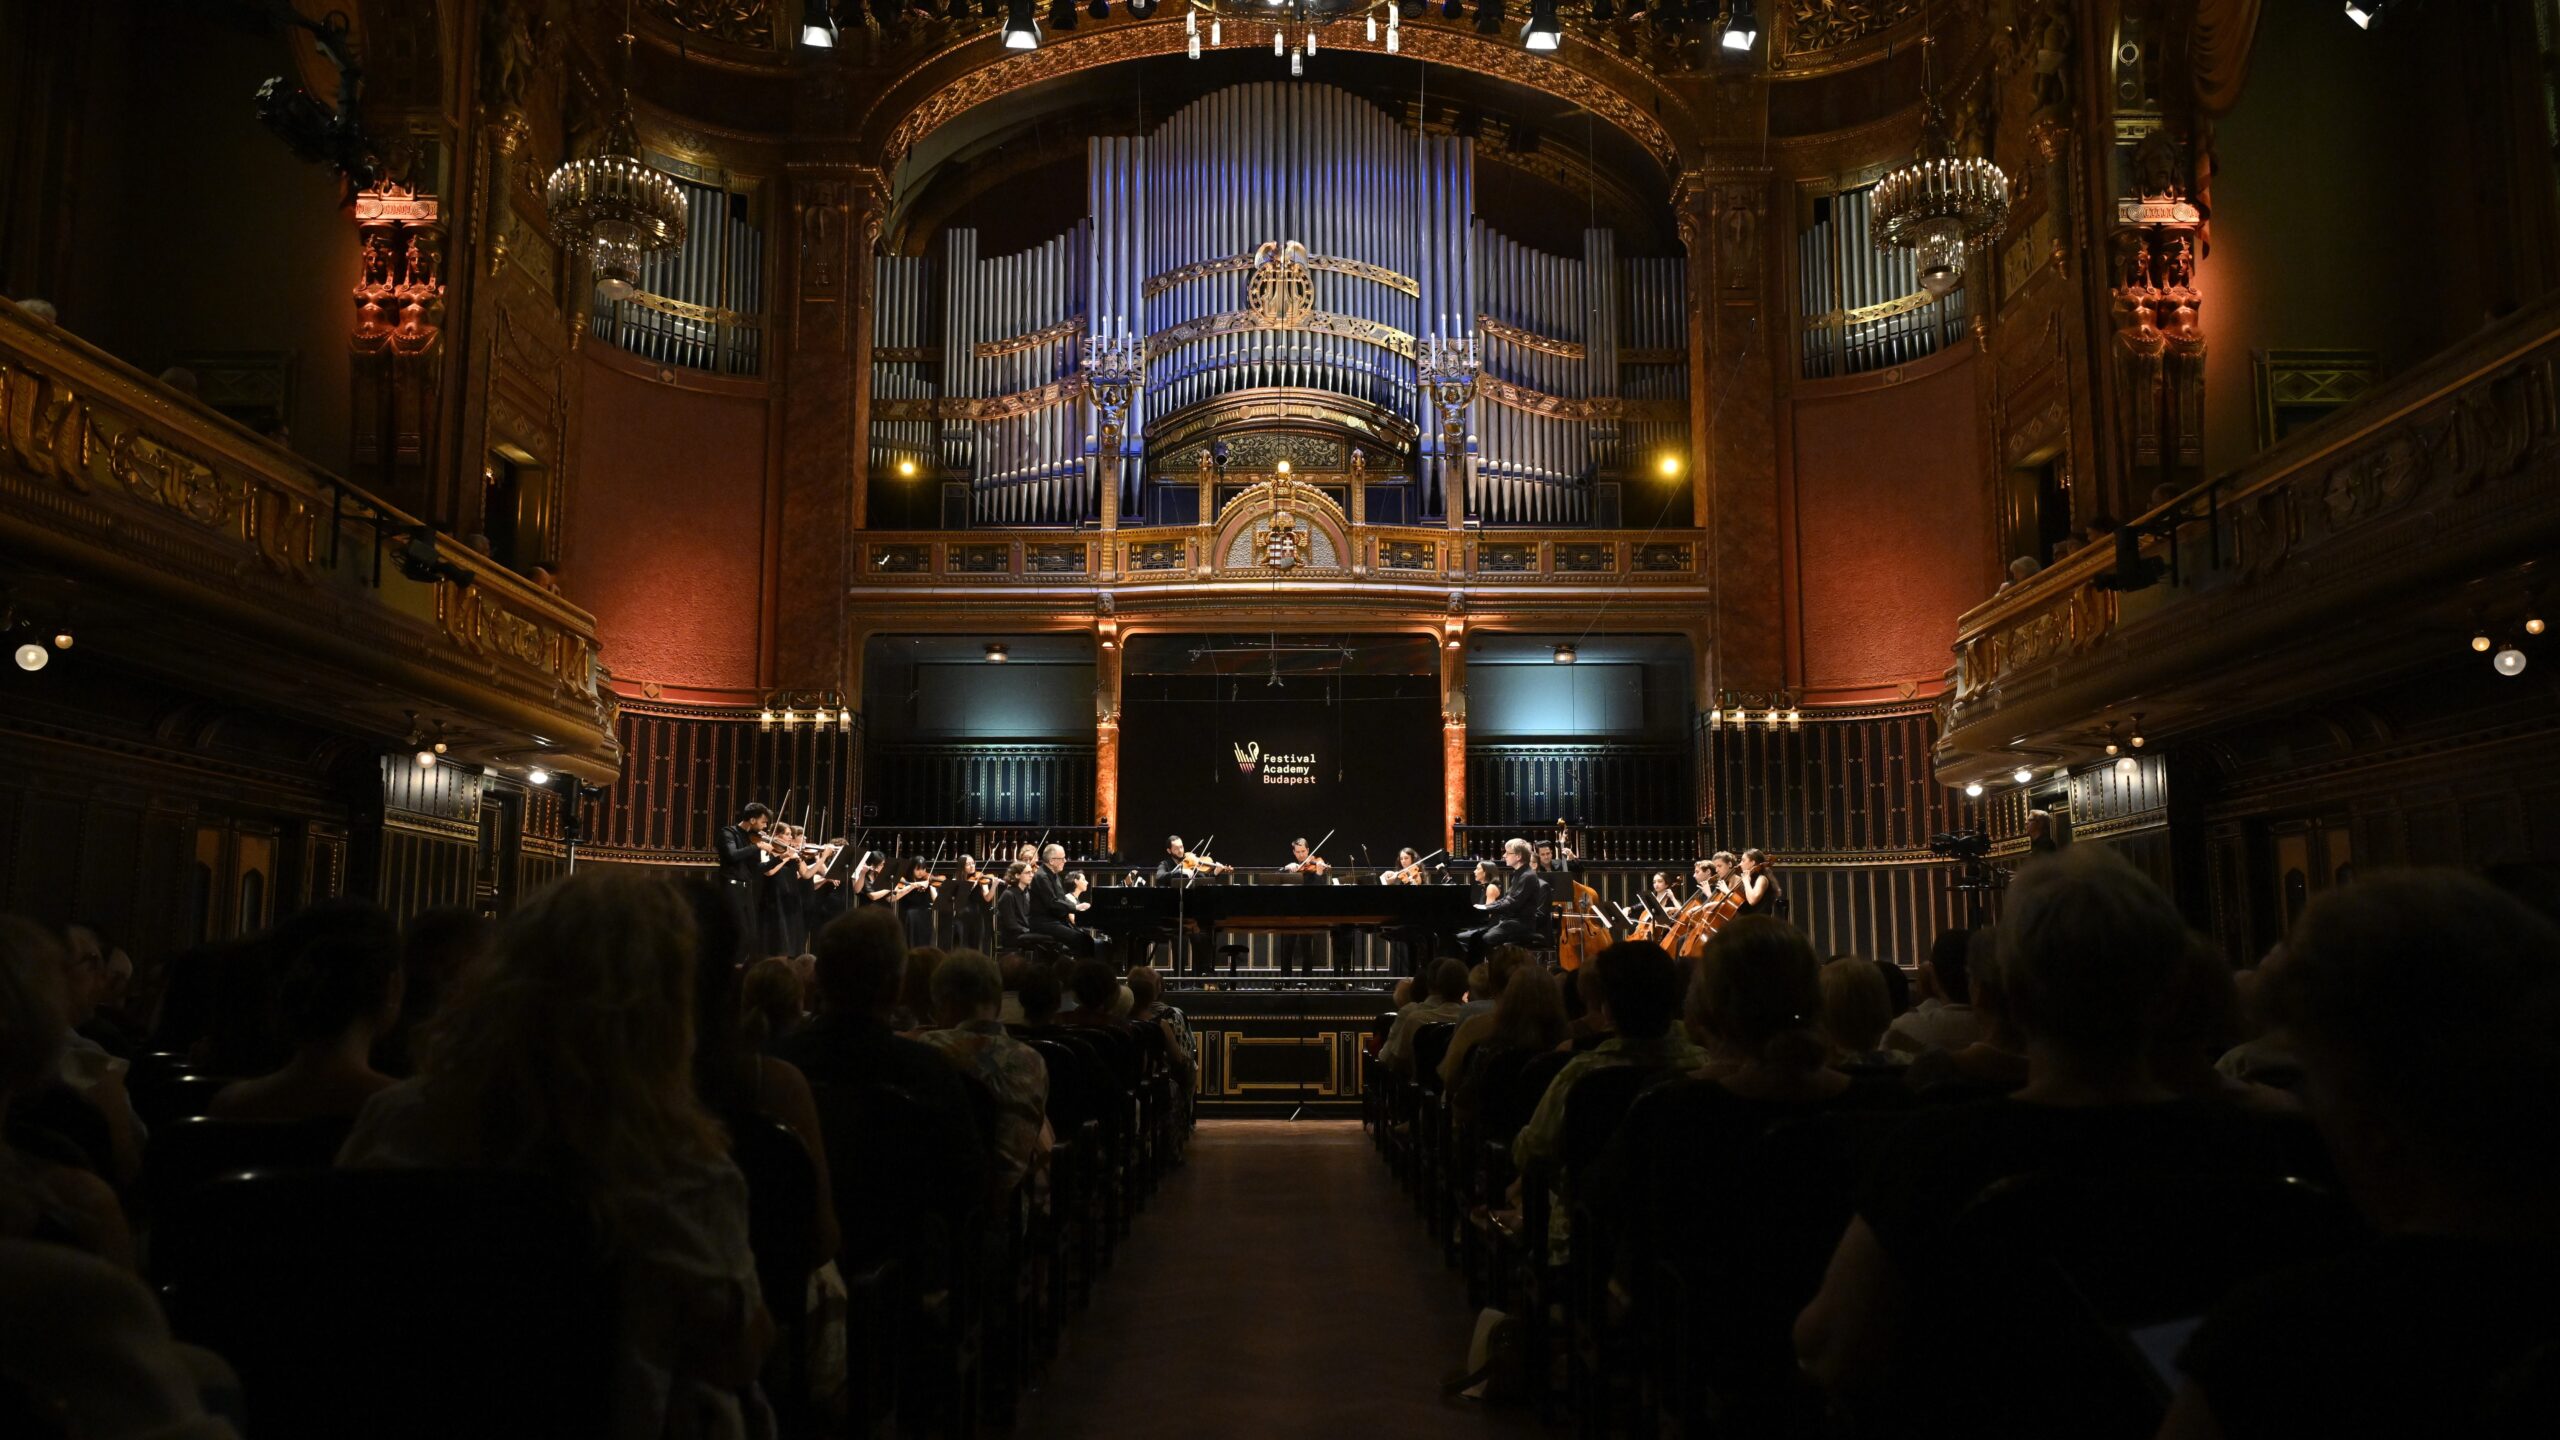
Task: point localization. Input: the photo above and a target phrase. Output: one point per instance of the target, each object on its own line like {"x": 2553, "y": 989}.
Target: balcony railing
{"x": 167, "y": 517}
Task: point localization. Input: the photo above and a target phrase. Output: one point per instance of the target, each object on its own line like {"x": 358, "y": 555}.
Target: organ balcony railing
{"x": 2362, "y": 544}
{"x": 187, "y": 546}
{"x": 1176, "y": 555}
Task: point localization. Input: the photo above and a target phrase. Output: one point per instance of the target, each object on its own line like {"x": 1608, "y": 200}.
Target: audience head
{"x": 1094, "y": 985}
{"x": 572, "y": 1053}
{"x": 1407, "y": 991}
{"x": 966, "y": 987}
{"x": 2086, "y": 949}
{"x": 1500, "y": 964}
{"x": 1758, "y": 994}
{"x": 1896, "y": 984}
{"x": 86, "y": 944}
{"x": 861, "y": 958}
{"x": 340, "y": 984}
{"x": 1146, "y": 987}
{"x": 436, "y": 947}
{"x": 915, "y": 982}
{"x": 1947, "y": 968}
{"x": 1040, "y": 993}
{"x": 1449, "y": 979}
{"x": 770, "y": 1000}
{"x": 2422, "y": 1005}
{"x": 2200, "y": 1012}
{"x": 1641, "y": 986}
{"x": 1856, "y": 1005}
{"x": 1530, "y": 1014}
{"x": 33, "y": 1020}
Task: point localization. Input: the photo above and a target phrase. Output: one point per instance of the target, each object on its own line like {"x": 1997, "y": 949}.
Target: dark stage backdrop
{"x": 1359, "y": 755}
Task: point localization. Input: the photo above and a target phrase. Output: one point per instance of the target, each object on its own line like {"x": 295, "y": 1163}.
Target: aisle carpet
{"x": 1279, "y": 1288}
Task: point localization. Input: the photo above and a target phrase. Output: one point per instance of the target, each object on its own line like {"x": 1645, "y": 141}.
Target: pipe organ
{"x": 1281, "y": 249}
{"x": 1862, "y": 307}
{"x": 700, "y": 306}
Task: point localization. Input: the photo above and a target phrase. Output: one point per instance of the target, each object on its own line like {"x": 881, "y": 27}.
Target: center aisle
{"x": 1278, "y": 1286}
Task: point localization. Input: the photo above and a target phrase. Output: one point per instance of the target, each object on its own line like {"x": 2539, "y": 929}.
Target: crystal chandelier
{"x": 1940, "y": 204}
{"x": 613, "y": 204}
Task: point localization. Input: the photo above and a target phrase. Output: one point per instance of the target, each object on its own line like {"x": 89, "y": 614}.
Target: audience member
{"x": 771, "y": 1002}
{"x": 1528, "y": 1021}
{"x": 861, "y": 959}
{"x": 1992, "y": 1065}
{"x": 2423, "y": 1006}
{"x": 1856, "y": 1010}
{"x": 83, "y": 1347}
{"x": 436, "y": 948}
{"x": 1096, "y": 991}
{"x": 1586, "y": 1007}
{"x": 1484, "y": 997}
{"x": 333, "y": 998}
{"x": 108, "y": 970}
{"x": 1147, "y": 1006}
{"x": 48, "y": 1188}
{"x": 88, "y": 1104}
{"x": 1943, "y": 1018}
{"x": 914, "y": 1011}
{"x": 2085, "y": 953}
{"x": 570, "y": 1057}
{"x": 2199, "y": 1023}
{"x": 967, "y": 992}
{"x": 731, "y": 1075}
{"x": 1446, "y": 1003}
{"x": 1641, "y": 990}
{"x": 1040, "y": 994}
{"x": 1897, "y": 986}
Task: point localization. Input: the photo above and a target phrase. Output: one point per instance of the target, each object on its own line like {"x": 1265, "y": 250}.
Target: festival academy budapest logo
{"x": 1274, "y": 768}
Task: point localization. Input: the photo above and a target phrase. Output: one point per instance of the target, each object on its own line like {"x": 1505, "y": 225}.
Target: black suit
{"x": 1515, "y": 919}
{"x": 1013, "y": 916}
{"x": 1053, "y": 914}
{"x": 742, "y": 866}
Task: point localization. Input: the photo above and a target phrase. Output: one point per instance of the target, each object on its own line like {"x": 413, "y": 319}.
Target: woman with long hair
{"x": 571, "y": 1057}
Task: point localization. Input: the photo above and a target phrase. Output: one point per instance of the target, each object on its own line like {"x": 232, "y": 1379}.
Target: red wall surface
{"x": 665, "y": 538}
{"x": 1892, "y": 532}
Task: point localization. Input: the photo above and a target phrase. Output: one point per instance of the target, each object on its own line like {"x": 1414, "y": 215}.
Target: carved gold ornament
{"x": 1494, "y": 329}
{"x": 1331, "y": 264}
{"x": 1281, "y": 293}
{"x": 1066, "y": 329}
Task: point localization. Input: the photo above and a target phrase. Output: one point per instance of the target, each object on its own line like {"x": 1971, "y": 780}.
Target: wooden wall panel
{"x": 687, "y": 769}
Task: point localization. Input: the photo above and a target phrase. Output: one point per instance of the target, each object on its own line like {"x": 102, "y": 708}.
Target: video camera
{"x": 1960, "y": 845}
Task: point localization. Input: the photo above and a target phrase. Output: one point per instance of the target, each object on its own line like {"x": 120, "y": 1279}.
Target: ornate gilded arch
{"x": 971, "y": 72}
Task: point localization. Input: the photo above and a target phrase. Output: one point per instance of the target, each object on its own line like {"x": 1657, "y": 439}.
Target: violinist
{"x": 1295, "y": 950}
{"x": 913, "y": 894}
{"x": 1408, "y": 870}
{"x": 1760, "y": 892}
{"x": 962, "y": 910}
{"x": 788, "y": 874}
{"x": 878, "y": 886}
{"x": 742, "y": 861}
{"x": 828, "y": 896}
{"x": 1181, "y": 867}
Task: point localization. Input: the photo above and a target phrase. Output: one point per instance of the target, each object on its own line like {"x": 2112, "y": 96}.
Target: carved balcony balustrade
{"x": 2350, "y": 550}
{"x": 244, "y": 571}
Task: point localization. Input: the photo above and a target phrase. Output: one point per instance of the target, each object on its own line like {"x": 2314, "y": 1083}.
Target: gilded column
{"x": 835, "y": 212}
{"x": 1106, "y": 733}
{"x": 1453, "y": 727}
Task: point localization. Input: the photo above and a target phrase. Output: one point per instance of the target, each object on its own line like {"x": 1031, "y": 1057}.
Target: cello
{"x": 1698, "y": 922}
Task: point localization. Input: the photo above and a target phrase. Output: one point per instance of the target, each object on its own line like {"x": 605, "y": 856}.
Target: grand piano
{"x": 1273, "y": 901}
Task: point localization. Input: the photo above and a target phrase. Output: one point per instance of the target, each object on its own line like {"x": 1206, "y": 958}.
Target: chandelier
{"x": 614, "y": 205}
{"x": 1294, "y": 24}
{"x": 1939, "y": 204}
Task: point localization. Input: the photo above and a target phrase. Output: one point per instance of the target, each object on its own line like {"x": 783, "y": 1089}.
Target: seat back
{"x": 782, "y": 1208}
{"x": 1509, "y": 1103}
{"x": 881, "y": 1159}
{"x": 187, "y": 1152}
{"x": 1594, "y": 1108}
{"x": 1430, "y": 1047}
{"x": 397, "y": 1303}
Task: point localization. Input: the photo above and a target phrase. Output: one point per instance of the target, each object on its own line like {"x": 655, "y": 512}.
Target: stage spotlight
{"x": 1143, "y": 9}
{"x": 32, "y": 657}
{"x": 996, "y": 652}
{"x": 1021, "y": 30}
{"x": 2022, "y": 775}
{"x": 1973, "y": 790}
{"x": 1543, "y": 32}
{"x": 1488, "y": 17}
{"x": 818, "y": 26}
{"x": 1741, "y": 27}
{"x": 2509, "y": 662}
{"x": 2364, "y": 12}
{"x": 537, "y": 776}
{"x": 1099, "y": 9}
{"x": 1062, "y": 14}
{"x": 1566, "y": 655}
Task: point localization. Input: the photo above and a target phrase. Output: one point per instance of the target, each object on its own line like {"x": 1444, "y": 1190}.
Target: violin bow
{"x": 1317, "y": 848}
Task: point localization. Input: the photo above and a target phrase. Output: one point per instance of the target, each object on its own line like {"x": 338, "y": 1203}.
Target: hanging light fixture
{"x": 613, "y": 204}
{"x": 817, "y": 26}
{"x": 1544, "y": 33}
{"x": 1940, "y": 204}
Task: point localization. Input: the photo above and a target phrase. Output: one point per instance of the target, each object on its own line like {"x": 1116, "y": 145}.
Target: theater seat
{"x": 396, "y": 1304}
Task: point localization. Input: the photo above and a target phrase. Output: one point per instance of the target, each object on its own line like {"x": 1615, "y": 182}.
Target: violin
{"x": 1202, "y": 865}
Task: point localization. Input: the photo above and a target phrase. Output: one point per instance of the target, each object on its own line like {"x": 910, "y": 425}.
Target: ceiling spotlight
{"x": 2022, "y": 775}
{"x": 996, "y": 653}
{"x": 426, "y": 759}
{"x": 1741, "y": 27}
{"x": 1973, "y": 790}
{"x": 2509, "y": 662}
{"x": 817, "y": 26}
{"x": 1021, "y": 30}
{"x": 2364, "y": 12}
{"x": 1566, "y": 655}
{"x": 33, "y": 657}
{"x": 537, "y": 776}
{"x": 1062, "y": 14}
{"x": 1489, "y": 17}
{"x": 1543, "y": 32}
{"x": 1099, "y": 9}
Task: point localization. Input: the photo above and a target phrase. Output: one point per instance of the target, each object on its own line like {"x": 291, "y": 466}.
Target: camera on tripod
{"x": 1960, "y": 845}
